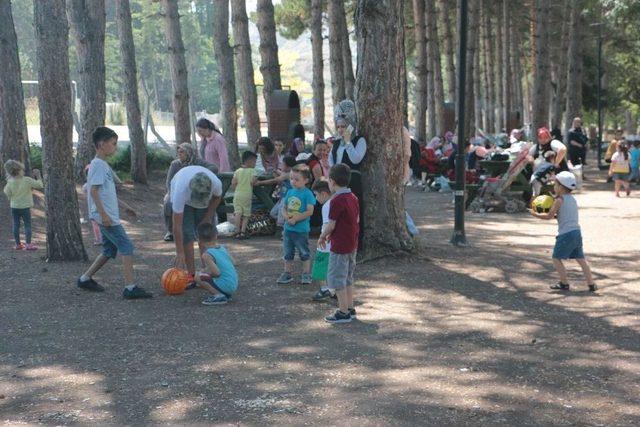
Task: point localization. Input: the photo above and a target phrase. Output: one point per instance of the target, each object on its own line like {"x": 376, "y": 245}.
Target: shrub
{"x": 156, "y": 160}
{"x": 35, "y": 156}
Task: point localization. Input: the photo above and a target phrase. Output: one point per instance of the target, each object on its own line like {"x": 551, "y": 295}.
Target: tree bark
{"x": 436, "y": 66}
{"x": 270, "y": 66}
{"x": 506, "y": 67}
{"x": 516, "y": 66}
{"x": 469, "y": 87}
{"x": 14, "y": 140}
{"x": 318, "y": 69}
{"x": 347, "y": 64}
{"x": 240, "y": 24}
{"x": 575, "y": 67}
{"x": 87, "y": 19}
{"x": 378, "y": 93}
{"x": 64, "y": 235}
{"x": 449, "y": 51}
{"x": 477, "y": 98}
{"x": 178, "y": 66}
{"x": 497, "y": 65}
{"x": 559, "y": 68}
{"x": 130, "y": 80}
{"x": 336, "y": 57}
{"x": 419, "y": 31}
{"x": 487, "y": 86}
{"x": 226, "y": 78}
{"x": 431, "y": 99}
{"x": 541, "y": 87}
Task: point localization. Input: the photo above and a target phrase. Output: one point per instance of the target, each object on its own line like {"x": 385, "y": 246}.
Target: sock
{"x": 84, "y": 278}
{"x": 130, "y": 287}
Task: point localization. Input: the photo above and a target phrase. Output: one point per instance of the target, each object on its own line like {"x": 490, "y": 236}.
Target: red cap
{"x": 543, "y": 133}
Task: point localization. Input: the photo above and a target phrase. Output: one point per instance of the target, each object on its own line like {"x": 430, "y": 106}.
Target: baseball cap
{"x": 200, "y": 187}
{"x": 567, "y": 179}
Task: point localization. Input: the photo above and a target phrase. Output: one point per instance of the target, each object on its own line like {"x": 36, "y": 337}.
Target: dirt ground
{"x": 448, "y": 336}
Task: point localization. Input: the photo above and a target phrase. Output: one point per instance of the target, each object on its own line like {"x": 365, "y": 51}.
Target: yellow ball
{"x": 542, "y": 203}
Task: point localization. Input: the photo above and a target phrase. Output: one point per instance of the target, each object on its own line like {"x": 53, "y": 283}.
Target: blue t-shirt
{"x": 101, "y": 176}
{"x": 228, "y": 279}
{"x": 296, "y": 201}
{"x": 634, "y": 155}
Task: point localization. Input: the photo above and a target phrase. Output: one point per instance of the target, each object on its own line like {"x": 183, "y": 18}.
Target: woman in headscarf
{"x": 268, "y": 158}
{"x": 213, "y": 146}
{"x": 184, "y": 157}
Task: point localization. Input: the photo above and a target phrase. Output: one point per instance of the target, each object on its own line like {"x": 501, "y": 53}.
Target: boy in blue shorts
{"x": 569, "y": 239}
{"x": 298, "y": 206}
{"x": 103, "y": 209}
{"x": 219, "y": 277}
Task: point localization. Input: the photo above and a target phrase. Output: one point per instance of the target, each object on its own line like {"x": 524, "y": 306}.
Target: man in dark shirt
{"x": 577, "y": 141}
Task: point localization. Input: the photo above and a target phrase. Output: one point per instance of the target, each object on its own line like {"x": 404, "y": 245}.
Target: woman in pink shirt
{"x": 213, "y": 146}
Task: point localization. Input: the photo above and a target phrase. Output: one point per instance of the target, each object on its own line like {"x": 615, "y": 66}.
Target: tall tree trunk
{"x": 64, "y": 235}
{"x": 499, "y": 71}
{"x": 419, "y": 31}
{"x": 487, "y": 86}
{"x": 318, "y": 68}
{"x": 226, "y": 78}
{"x": 469, "y": 86}
{"x": 506, "y": 64}
{"x": 270, "y": 66}
{"x": 379, "y": 88}
{"x": 240, "y": 24}
{"x": 87, "y": 20}
{"x": 449, "y": 50}
{"x": 575, "y": 67}
{"x": 629, "y": 123}
{"x": 130, "y": 79}
{"x": 178, "y": 66}
{"x": 559, "y": 68}
{"x": 541, "y": 86}
{"x": 14, "y": 141}
{"x": 347, "y": 64}
{"x": 477, "y": 98}
{"x": 431, "y": 98}
{"x": 436, "y": 66}
{"x": 336, "y": 57}
{"x": 516, "y": 66}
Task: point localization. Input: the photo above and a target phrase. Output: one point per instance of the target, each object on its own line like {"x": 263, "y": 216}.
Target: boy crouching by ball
{"x": 219, "y": 277}
{"x": 569, "y": 239}
{"x": 321, "y": 261}
{"x": 342, "y": 231}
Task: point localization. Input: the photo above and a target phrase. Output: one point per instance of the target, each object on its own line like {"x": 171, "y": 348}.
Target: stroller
{"x": 494, "y": 195}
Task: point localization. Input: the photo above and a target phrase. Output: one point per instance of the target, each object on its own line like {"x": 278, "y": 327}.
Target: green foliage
{"x": 116, "y": 115}
{"x": 292, "y": 17}
{"x": 35, "y": 156}
{"x": 156, "y": 160}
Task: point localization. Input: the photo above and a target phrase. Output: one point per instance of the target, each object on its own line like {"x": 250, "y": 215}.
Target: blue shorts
{"x": 569, "y": 246}
{"x": 115, "y": 239}
{"x": 224, "y": 288}
{"x": 291, "y": 241}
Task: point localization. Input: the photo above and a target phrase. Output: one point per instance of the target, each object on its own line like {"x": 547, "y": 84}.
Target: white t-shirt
{"x": 325, "y": 220}
{"x": 556, "y": 146}
{"x": 180, "y": 192}
{"x": 101, "y": 175}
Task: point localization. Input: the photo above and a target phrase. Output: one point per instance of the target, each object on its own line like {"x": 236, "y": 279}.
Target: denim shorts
{"x": 569, "y": 246}
{"x": 621, "y": 177}
{"x": 114, "y": 239}
{"x": 292, "y": 241}
{"x": 191, "y": 218}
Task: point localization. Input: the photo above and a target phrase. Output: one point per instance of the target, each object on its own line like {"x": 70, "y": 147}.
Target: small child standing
{"x": 569, "y": 240}
{"x": 244, "y": 179}
{"x": 321, "y": 261}
{"x": 342, "y": 231}
{"x": 620, "y": 168}
{"x": 19, "y": 192}
{"x": 297, "y": 208}
{"x": 103, "y": 208}
{"x": 634, "y": 162}
{"x": 219, "y": 277}
{"x": 544, "y": 173}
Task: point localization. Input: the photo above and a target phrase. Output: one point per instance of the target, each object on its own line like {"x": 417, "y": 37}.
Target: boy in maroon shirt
{"x": 342, "y": 231}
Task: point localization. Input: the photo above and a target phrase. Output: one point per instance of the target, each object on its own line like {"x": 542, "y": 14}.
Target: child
{"x": 569, "y": 239}
{"x": 284, "y": 185}
{"x": 297, "y": 208}
{"x": 321, "y": 261}
{"x": 342, "y": 230}
{"x": 103, "y": 208}
{"x": 544, "y": 173}
{"x": 620, "y": 168}
{"x": 18, "y": 191}
{"x": 97, "y": 236}
{"x": 243, "y": 181}
{"x": 634, "y": 162}
{"x": 219, "y": 277}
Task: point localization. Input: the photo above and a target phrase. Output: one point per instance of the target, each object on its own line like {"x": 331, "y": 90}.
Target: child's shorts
{"x": 114, "y": 239}
{"x": 292, "y": 241}
{"x": 320, "y": 266}
{"x": 227, "y": 289}
{"x": 341, "y": 270}
{"x": 569, "y": 246}
{"x": 242, "y": 207}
